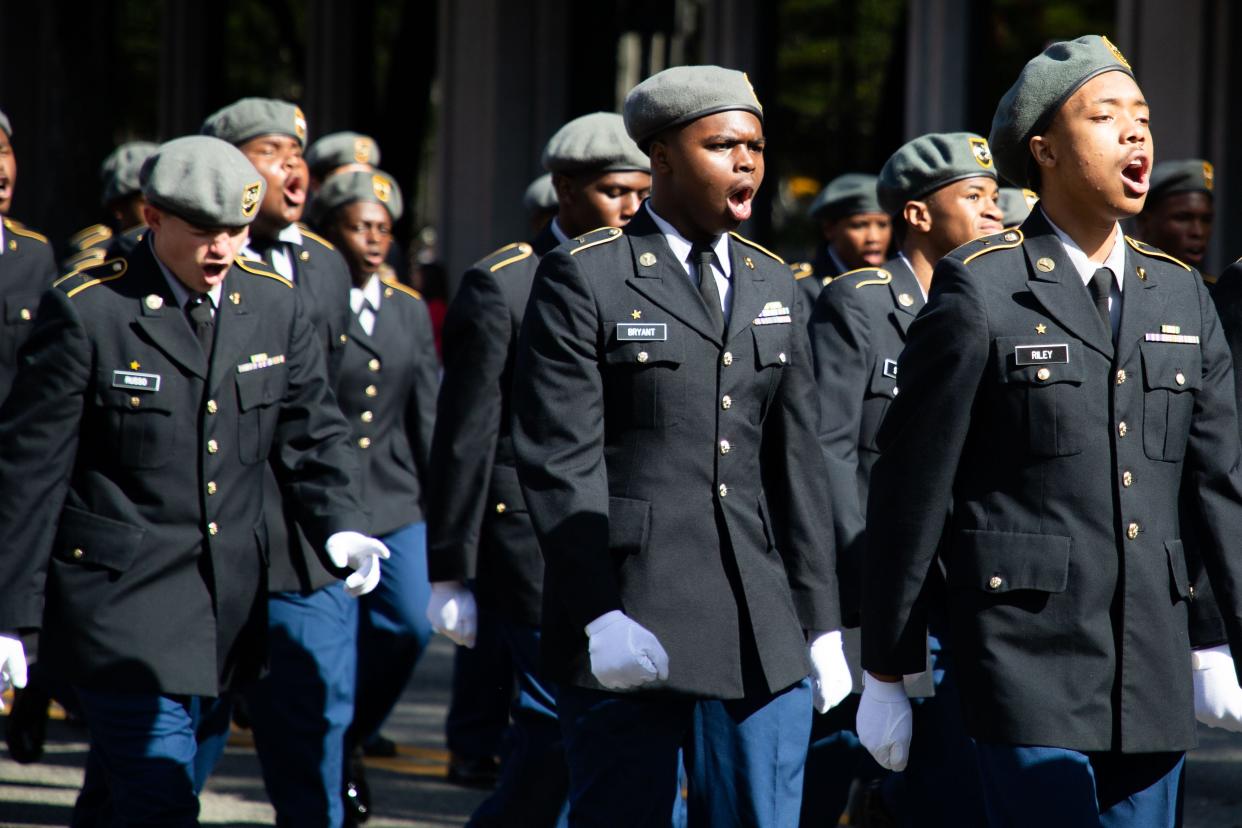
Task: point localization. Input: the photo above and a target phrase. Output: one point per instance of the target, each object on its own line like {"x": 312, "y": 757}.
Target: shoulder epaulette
{"x": 76, "y": 281}
{"x": 801, "y": 270}
{"x": 90, "y": 255}
{"x": 600, "y": 235}
{"x": 395, "y": 285}
{"x": 311, "y": 234}
{"x": 259, "y": 268}
{"x": 1003, "y": 240}
{"x": 91, "y": 236}
{"x": 879, "y": 276}
{"x": 22, "y": 230}
{"x": 758, "y": 247}
{"x": 505, "y": 256}
{"x": 1155, "y": 252}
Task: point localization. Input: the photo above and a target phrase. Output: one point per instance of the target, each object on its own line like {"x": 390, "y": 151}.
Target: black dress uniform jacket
{"x": 1064, "y": 457}
{"x": 322, "y": 277}
{"x": 857, "y": 333}
{"x": 671, "y": 472}
{"x": 387, "y": 391}
{"x": 479, "y": 526}
{"x": 132, "y": 517}
{"x": 27, "y": 269}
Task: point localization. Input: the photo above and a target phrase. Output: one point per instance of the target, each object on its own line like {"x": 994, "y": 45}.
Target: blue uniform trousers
{"x": 1027, "y": 786}
{"x": 299, "y": 712}
{"x": 478, "y": 713}
{"x": 744, "y": 758}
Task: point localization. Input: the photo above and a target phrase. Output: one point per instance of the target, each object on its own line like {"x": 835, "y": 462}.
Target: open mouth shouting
{"x": 294, "y": 190}
{"x": 1135, "y": 174}
{"x": 740, "y": 202}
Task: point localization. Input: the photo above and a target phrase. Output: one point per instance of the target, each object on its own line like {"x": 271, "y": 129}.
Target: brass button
{"x": 211, "y": 487}
{"x": 642, "y": 356}
{"x": 212, "y": 446}
{"x": 724, "y": 490}
{"x": 364, "y": 442}
{"x": 500, "y": 508}
{"x": 1132, "y": 531}
{"x": 1179, "y": 378}
{"x": 134, "y": 402}
{"x": 781, "y": 357}
{"x": 1042, "y": 374}
{"x": 1121, "y": 376}
{"x": 213, "y": 529}
{"x": 727, "y": 359}
{"x": 1122, "y": 428}
{"x": 344, "y": 339}
{"x": 1191, "y": 592}
{"x": 374, "y": 364}
{"x": 1127, "y": 479}
{"x": 372, "y": 391}
{"x": 725, "y": 448}
{"x": 995, "y": 582}
{"x": 25, "y": 314}
{"x": 212, "y": 407}
{"x": 78, "y": 553}
{"x": 726, "y": 402}
{"x": 367, "y": 416}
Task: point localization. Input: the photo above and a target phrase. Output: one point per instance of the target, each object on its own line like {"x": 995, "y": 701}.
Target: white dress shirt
{"x": 681, "y": 247}
{"x": 1115, "y": 262}
{"x": 365, "y": 302}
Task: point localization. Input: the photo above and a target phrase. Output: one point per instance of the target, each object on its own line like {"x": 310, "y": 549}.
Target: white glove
{"x": 361, "y": 554}
{"x": 624, "y": 653}
{"x": 1218, "y": 698}
{"x": 12, "y": 664}
{"x": 453, "y": 613}
{"x": 830, "y": 673}
{"x": 884, "y": 722}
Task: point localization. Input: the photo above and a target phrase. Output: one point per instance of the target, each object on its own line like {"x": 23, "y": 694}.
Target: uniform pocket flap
{"x": 641, "y": 354}
{"x": 91, "y": 540}
{"x": 258, "y": 388}
{"x": 773, "y": 345}
{"x": 1179, "y": 576}
{"x": 21, "y": 308}
{"x": 629, "y": 521}
{"x": 1008, "y": 561}
{"x": 1172, "y": 367}
{"x": 135, "y": 400}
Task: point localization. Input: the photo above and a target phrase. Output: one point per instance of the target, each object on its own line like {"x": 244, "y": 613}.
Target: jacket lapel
{"x": 1142, "y": 306}
{"x": 749, "y": 290}
{"x": 160, "y": 318}
{"x": 662, "y": 279}
{"x": 1055, "y": 282}
{"x": 907, "y": 295}
{"x": 235, "y": 328}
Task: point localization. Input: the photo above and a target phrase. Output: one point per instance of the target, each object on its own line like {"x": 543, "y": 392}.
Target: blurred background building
{"x": 462, "y": 94}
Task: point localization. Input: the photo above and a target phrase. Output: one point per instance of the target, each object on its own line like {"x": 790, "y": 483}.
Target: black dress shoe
{"x": 356, "y": 792}
{"x": 473, "y": 771}
{"x": 380, "y": 747}
{"x": 26, "y": 728}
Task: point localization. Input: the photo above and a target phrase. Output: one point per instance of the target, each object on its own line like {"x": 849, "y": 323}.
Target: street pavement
{"x": 410, "y": 791}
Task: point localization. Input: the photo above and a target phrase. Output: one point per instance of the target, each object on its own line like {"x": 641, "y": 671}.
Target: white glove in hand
{"x": 884, "y": 722}
{"x": 624, "y": 653}
{"x": 830, "y": 673}
{"x": 453, "y": 612}
{"x": 12, "y": 664}
{"x": 361, "y": 554}
{"x": 1218, "y": 698}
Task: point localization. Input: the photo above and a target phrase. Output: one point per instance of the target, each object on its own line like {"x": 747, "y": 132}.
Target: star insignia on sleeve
{"x": 1041, "y": 328}
{"x": 636, "y": 314}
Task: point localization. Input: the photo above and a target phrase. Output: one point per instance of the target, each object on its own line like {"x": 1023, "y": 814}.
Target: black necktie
{"x": 703, "y": 258}
{"x": 198, "y": 311}
{"x": 1099, "y": 286}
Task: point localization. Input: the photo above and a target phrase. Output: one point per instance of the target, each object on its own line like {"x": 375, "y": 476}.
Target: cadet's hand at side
{"x": 361, "y": 554}
{"x": 830, "y": 674}
{"x": 12, "y": 664}
{"x": 624, "y": 653}
{"x": 1218, "y": 698}
{"x": 884, "y": 722}
{"x": 453, "y": 613}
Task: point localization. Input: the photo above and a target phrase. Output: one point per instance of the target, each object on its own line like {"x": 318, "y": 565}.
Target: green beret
{"x": 340, "y": 149}
{"x": 594, "y": 143}
{"x": 206, "y": 181}
{"x": 928, "y": 163}
{"x": 683, "y": 94}
{"x": 846, "y": 195}
{"x": 1192, "y": 175}
{"x": 5, "y": 125}
{"x": 249, "y": 118}
{"x": 1016, "y": 204}
{"x": 360, "y": 185}
{"x": 1043, "y": 86}
{"x": 540, "y": 195}
{"x": 119, "y": 171}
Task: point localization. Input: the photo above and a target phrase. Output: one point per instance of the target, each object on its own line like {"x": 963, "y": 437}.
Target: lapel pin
{"x": 1046, "y": 265}
{"x": 636, "y": 314}
{"x": 1041, "y": 328}
{"x": 749, "y": 262}
{"x": 387, "y": 293}
{"x": 304, "y": 256}
{"x": 647, "y": 259}
{"x": 1142, "y": 274}
{"x": 235, "y": 298}
{"x": 905, "y": 300}
{"x": 154, "y": 301}
{"x": 1009, "y": 237}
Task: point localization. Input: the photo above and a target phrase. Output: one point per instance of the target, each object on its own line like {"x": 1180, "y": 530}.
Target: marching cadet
{"x": 941, "y": 189}
{"x": 340, "y": 152}
{"x": 856, "y": 230}
{"x": 480, "y": 526}
{"x": 1016, "y": 204}
{"x": 122, "y": 201}
{"x": 1074, "y": 377}
{"x": 152, "y": 392}
{"x": 300, "y": 710}
{"x": 387, "y": 391}
{"x": 1177, "y": 217}
{"x": 664, "y": 427}
{"x": 539, "y": 202}
{"x": 27, "y": 266}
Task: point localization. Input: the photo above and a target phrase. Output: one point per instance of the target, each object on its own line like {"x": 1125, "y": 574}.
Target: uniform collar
{"x": 555, "y": 225}
{"x": 291, "y": 234}
{"x": 1116, "y": 261}
{"x": 369, "y": 293}
{"x": 682, "y": 247}
{"x": 180, "y": 292}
